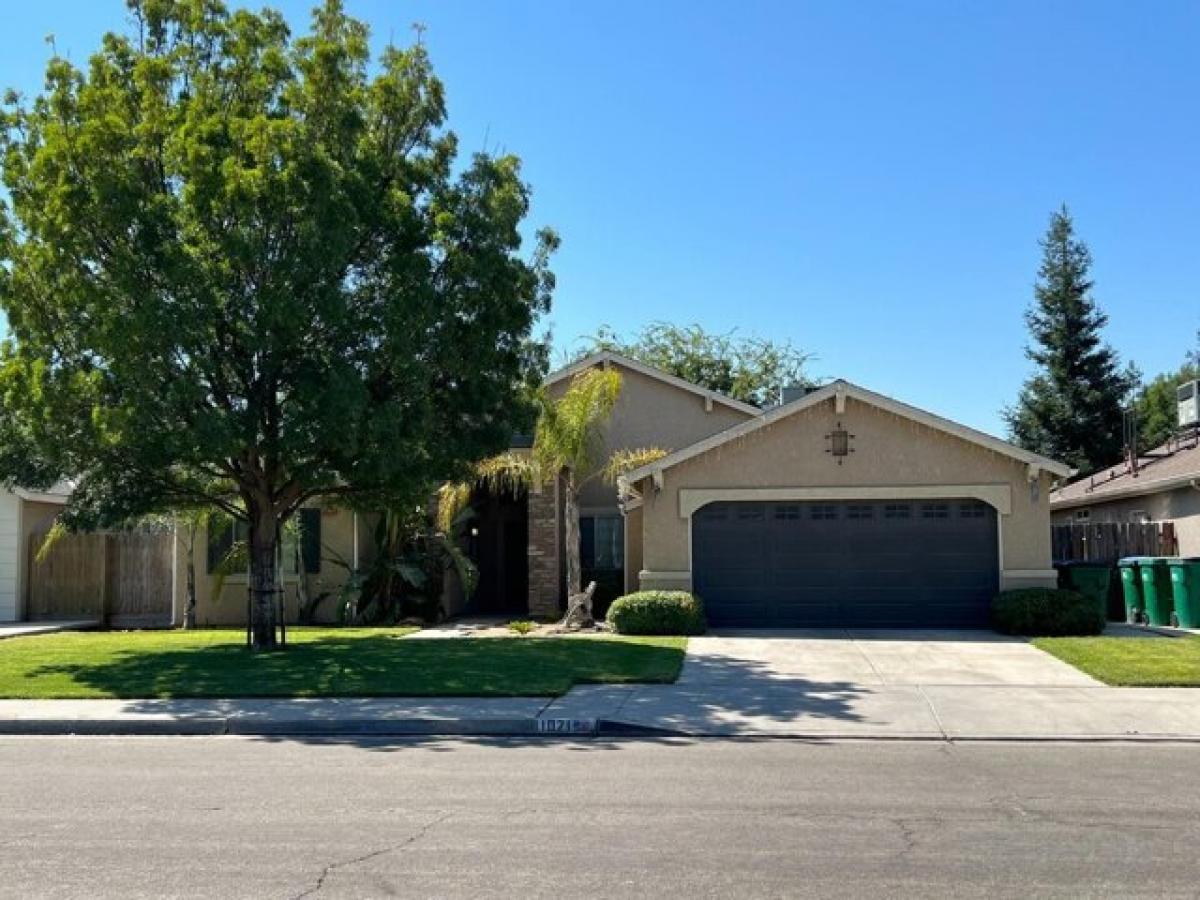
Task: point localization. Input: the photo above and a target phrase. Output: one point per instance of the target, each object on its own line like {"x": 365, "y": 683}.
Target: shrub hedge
{"x": 657, "y": 612}
{"x": 1046, "y": 612}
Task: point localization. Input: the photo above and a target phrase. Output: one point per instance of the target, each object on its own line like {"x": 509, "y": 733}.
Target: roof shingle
{"x": 1159, "y": 469}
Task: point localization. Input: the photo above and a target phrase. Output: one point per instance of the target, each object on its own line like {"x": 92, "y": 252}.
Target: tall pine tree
{"x": 1071, "y": 408}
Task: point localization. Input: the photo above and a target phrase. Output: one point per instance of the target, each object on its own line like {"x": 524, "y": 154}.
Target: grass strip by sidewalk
{"x": 323, "y": 662}
{"x": 1131, "y": 661}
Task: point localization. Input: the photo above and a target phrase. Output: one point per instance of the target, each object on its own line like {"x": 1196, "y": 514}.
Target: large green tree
{"x": 753, "y": 370}
{"x": 1158, "y": 413}
{"x": 1071, "y": 408}
{"x": 243, "y": 269}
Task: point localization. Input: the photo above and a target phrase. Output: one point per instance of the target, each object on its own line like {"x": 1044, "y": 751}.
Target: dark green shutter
{"x": 310, "y": 540}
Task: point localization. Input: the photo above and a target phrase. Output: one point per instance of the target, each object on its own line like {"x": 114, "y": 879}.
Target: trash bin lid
{"x": 1135, "y": 560}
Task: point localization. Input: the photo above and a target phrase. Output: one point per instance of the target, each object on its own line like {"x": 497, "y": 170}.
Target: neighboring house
{"x": 24, "y": 515}
{"x": 1164, "y": 487}
{"x": 842, "y": 507}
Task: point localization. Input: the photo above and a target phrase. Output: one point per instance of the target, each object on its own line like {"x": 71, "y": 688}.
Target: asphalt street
{"x": 233, "y": 817}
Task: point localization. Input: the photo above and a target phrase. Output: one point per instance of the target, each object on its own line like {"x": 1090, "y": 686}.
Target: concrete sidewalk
{"x": 822, "y": 711}
{"x": 941, "y": 712}
{"x": 28, "y": 629}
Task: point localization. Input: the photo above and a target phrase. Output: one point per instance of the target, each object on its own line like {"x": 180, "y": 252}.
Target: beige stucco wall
{"x": 891, "y": 453}
{"x": 652, "y": 413}
{"x": 229, "y": 607}
{"x": 1180, "y": 507}
{"x": 633, "y": 548}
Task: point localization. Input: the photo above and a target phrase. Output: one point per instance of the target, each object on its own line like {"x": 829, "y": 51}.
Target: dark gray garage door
{"x": 879, "y": 564}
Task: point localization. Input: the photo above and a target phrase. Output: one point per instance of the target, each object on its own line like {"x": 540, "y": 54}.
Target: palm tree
{"x": 568, "y": 446}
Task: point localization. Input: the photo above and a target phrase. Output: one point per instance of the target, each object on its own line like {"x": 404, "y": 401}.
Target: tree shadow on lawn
{"x": 367, "y": 679}
{"x": 373, "y": 666}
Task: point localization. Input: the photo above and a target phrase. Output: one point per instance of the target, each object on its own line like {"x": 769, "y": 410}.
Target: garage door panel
{"x": 732, "y": 580}
{"x": 807, "y": 583}
{"x": 885, "y": 563}
{"x": 883, "y": 580}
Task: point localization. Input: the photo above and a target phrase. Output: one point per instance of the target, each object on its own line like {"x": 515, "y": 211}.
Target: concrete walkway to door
{"x": 886, "y": 684}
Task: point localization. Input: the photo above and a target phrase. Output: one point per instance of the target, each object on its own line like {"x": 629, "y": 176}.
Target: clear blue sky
{"x": 868, "y": 180}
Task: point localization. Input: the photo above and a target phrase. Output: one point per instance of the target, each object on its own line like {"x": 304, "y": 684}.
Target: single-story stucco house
{"x": 1163, "y": 487}
{"x": 838, "y": 507}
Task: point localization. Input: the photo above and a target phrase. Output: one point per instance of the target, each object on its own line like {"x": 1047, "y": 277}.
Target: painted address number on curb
{"x": 566, "y": 726}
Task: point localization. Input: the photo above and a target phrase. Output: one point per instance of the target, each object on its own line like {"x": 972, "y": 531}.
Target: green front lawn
{"x": 1131, "y": 661}
{"x": 324, "y": 662}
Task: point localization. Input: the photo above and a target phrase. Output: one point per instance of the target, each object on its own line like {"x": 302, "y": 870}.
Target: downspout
{"x": 354, "y": 540}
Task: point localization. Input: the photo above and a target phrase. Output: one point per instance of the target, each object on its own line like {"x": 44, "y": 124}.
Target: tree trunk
{"x": 264, "y": 575}
{"x": 571, "y": 537}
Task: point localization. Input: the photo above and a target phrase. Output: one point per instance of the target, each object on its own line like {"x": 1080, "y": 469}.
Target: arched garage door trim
{"x": 998, "y": 496}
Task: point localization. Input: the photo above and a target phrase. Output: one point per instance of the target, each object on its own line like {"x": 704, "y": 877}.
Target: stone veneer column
{"x": 543, "y": 553}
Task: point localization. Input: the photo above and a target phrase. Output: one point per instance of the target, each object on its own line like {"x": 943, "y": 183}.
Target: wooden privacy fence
{"x": 1109, "y": 541}
{"x": 121, "y": 578}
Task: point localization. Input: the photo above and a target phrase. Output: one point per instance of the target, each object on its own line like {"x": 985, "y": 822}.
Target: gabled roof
{"x": 1166, "y": 468}
{"x": 609, "y": 356}
{"x": 846, "y": 389}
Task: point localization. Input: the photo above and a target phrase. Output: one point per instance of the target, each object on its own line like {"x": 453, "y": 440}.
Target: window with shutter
{"x": 310, "y": 540}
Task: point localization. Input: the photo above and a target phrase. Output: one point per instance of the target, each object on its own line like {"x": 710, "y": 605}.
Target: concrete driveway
{"x": 876, "y": 657}
{"x": 894, "y": 684}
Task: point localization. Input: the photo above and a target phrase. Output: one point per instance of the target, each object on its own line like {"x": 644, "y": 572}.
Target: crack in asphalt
{"x": 391, "y": 848}
{"x": 908, "y": 834}
{"x": 1005, "y": 799}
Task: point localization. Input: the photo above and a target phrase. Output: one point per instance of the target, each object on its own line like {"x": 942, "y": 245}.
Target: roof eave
{"x": 611, "y": 356}
{"x": 1133, "y": 490}
{"x": 41, "y": 496}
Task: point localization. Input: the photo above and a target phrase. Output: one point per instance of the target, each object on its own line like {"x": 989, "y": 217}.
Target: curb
{"x": 392, "y": 727}
{"x": 249, "y": 727}
{"x": 114, "y": 727}
{"x": 546, "y": 728}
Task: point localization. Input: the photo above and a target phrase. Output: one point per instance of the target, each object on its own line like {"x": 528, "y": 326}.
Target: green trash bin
{"x": 1185, "y": 590}
{"x": 1088, "y": 578}
{"x": 1131, "y": 588}
{"x": 1156, "y": 590}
